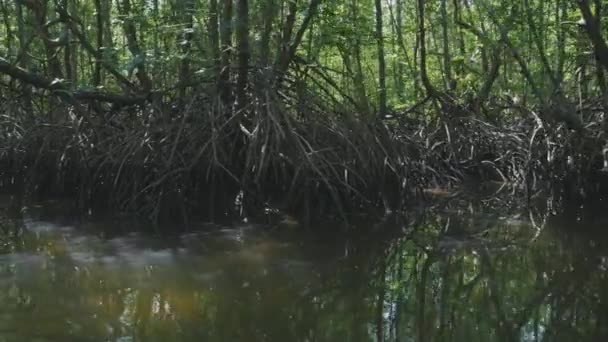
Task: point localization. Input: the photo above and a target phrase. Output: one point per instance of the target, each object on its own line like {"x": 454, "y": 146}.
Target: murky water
{"x": 441, "y": 276}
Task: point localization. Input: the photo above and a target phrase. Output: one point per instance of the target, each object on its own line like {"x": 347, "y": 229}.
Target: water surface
{"x": 436, "y": 276}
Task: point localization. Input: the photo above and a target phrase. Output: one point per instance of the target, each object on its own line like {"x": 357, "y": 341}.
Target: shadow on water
{"x": 444, "y": 274}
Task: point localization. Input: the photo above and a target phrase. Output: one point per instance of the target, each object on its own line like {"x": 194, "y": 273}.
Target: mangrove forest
{"x": 303, "y": 170}
{"x": 162, "y": 108}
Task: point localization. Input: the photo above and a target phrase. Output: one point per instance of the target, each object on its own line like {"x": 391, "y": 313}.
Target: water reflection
{"x": 444, "y": 277}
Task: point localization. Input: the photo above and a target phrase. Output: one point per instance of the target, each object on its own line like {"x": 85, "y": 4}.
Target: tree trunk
{"x": 412, "y": 66}
{"x": 67, "y": 62}
{"x": 69, "y": 51}
{"x": 24, "y": 61}
{"x": 288, "y": 26}
{"x": 289, "y": 46}
{"x": 40, "y": 16}
{"x": 99, "y": 35}
{"x": 226, "y": 49}
{"x": 269, "y": 12}
{"x": 39, "y": 10}
{"x": 186, "y": 43}
{"x": 358, "y": 77}
{"x": 538, "y": 40}
{"x": 8, "y": 28}
{"x": 430, "y": 90}
{"x": 447, "y": 58}
{"x": 601, "y": 80}
{"x": 242, "y": 38}
{"x": 139, "y": 58}
{"x": 560, "y": 13}
{"x": 381, "y": 61}
{"x": 461, "y": 43}
{"x": 214, "y": 37}
{"x": 399, "y": 84}
{"x": 108, "y": 35}
{"x": 593, "y": 31}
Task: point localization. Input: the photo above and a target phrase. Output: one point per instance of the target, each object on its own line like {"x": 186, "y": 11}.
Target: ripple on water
{"x": 209, "y": 277}
{"x": 83, "y": 257}
{"x": 45, "y": 227}
{"x": 23, "y": 259}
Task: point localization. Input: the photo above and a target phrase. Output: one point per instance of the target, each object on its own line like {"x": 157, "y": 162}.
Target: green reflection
{"x": 457, "y": 277}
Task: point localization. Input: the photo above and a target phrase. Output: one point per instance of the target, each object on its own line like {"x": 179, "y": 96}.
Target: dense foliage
{"x": 174, "y": 104}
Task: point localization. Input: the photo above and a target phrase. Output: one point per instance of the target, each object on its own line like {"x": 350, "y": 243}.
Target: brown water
{"x": 441, "y": 276}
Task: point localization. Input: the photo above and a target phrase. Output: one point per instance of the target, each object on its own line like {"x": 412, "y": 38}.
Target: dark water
{"x": 436, "y": 276}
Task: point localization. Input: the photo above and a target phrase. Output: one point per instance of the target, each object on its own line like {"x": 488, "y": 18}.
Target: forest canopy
{"x": 150, "y": 104}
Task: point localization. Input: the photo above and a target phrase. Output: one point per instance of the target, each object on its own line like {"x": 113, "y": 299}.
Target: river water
{"x": 439, "y": 275}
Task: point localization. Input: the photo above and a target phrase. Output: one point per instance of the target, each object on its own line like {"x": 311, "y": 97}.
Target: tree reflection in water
{"x": 456, "y": 276}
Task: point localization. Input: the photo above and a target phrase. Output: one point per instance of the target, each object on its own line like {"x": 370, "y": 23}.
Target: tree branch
{"x": 69, "y": 19}
{"x": 61, "y": 88}
{"x": 290, "y": 52}
{"x": 593, "y": 31}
